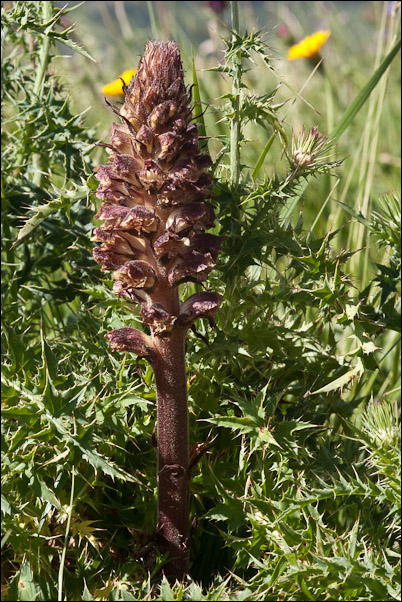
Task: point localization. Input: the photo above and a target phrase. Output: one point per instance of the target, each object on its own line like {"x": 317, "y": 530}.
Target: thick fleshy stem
{"x": 173, "y": 452}
{"x": 172, "y": 438}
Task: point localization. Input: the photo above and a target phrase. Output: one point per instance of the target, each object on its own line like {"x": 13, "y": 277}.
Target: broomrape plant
{"x": 155, "y": 212}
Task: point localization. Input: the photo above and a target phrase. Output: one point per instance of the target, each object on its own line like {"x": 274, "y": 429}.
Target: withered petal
{"x": 161, "y": 115}
{"x": 128, "y": 293}
{"x": 199, "y": 305}
{"x": 177, "y": 192}
{"x": 124, "y": 244}
{"x": 124, "y": 218}
{"x": 129, "y": 114}
{"x": 130, "y": 339}
{"x": 191, "y": 168}
{"x": 138, "y": 274}
{"x": 207, "y": 243}
{"x": 109, "y": 260}
{"x": 127, "y": 167}
{"x": 191, "y": 267}
{"x": 118, "y": 191}
{"x": 170, "y": 144}
{"x": 151, "y": 176}
{"x": 196, "y": 216}
{"x": 120, "y": 138}
{"x": 170, "y": 245}
{"x": 158, "y": 318}
{"x": 146, "y": 137}
{"x": 176, "y": 89}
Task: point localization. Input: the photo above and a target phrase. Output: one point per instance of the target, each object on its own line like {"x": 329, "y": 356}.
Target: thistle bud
{"x": 309, "y": 150}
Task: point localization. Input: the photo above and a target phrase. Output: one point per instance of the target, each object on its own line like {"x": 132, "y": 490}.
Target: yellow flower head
{"x": 115, "y": 88}
{"x": 308, "y": 47}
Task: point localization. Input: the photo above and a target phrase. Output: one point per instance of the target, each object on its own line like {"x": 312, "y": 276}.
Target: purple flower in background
{"x": 216, "y": 6}
{"x": 393, "y": 8}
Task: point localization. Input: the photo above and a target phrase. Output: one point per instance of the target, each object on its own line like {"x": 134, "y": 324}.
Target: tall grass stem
{"x": 152, "y": 19}
{"x": 63, "y": 554}
{"x": 235, "y": 124}
{"x": 43, "y": 58}
{"x": 43, "y": 61}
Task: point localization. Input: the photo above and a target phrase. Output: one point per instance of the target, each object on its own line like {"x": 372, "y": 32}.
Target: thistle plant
{"x": 154, "y": 190}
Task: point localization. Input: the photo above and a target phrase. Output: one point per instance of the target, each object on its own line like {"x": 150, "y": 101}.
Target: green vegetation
{"x": 297, "y": 391}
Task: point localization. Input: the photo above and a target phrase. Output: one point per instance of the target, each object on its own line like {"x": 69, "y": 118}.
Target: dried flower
{"x": 309, "y": 47}
{"x": 115, "y": 88}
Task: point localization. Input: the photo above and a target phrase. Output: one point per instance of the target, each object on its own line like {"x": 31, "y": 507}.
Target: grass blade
{"x": 198, "y": 112}
{"x": 263, "y": 155}
{"x": 364, "y": 94}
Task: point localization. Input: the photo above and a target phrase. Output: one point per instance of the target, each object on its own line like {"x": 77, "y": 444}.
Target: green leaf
{"x": 41, "y": 490}
{"x": 280, "y": 567}
{"x": 6, "y": 507}
{"x": 125, "y": 596}
{"x": 263, "y": 155}
{"x": 26, "y": 586}
{"x": 86, "y": 594}
{"x": 97, "y": 461}
{"x": 194, "y": 592}
{"x": 42, "y": 212}
{"x": 244, "y": 425}
{"x": 230, "y": 511}
{"x": 198, "y": 112}
{"x": 165, "y": 591}
{"x": 343, "y": 380}
{"x": 358, "y": 216}
{"x": 46, "y": 29}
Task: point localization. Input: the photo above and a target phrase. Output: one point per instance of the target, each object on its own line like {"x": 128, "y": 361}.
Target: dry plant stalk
{"x": 155, "y": 214}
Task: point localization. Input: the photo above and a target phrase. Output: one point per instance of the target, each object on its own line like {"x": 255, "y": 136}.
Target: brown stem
{"x": 173, "y": 450}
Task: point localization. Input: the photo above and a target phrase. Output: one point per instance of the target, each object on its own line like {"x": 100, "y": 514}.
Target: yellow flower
{"x": 309, "y": 47}
{"x": 115, "y": 88}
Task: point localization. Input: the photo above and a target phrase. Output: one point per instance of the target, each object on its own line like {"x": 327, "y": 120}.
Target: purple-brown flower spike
{"x": 155, "y": 212}
{"x": 154, "y": 190}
